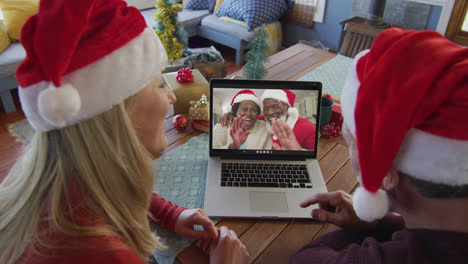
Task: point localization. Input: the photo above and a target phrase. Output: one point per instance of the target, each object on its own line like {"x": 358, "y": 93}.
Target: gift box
{"x": 186, "y": 91}
{"x": 201, "y": 125}
{"x": 200, "y": 110}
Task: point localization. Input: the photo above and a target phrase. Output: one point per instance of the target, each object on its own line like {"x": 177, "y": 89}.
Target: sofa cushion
{"x": 4, "y": 39}
{"x": 16, "y": 12}
{"x": 192, "y": 18}
{"x": 141, "y": 4}
{"x": 254, "y": 12}
{"x": 11, "y": 58}
{"x": 188, "y": 18}
{"x": 232, "y": 29}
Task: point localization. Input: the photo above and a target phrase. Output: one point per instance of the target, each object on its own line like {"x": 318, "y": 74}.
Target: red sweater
{"x": 164, "y": 213}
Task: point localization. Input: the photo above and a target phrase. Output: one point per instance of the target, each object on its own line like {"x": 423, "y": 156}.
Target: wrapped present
{"x": 200, "y": 110}
{"x": 201, "y": 125}
{"x": 186, "y": 91}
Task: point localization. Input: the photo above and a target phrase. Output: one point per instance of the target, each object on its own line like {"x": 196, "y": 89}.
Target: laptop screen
{"x": 264, "y": 119}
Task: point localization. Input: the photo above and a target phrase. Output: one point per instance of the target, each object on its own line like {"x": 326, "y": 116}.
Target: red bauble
{"x": 184, "y": 75}
{"x": 179, "y": 122}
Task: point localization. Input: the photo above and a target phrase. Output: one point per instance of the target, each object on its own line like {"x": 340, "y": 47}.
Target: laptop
{"x": 257, "y": 180}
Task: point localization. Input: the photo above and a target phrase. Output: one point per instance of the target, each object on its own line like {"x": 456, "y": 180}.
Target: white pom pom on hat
{"x": 370, "y": 206}
{"x": 59, "y": 105}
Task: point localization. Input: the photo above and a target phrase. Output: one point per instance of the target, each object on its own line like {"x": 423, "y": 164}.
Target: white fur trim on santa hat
{"x": 370, "y": 206}
{"x": 101, "y": 84}
{"x": 293, "y": 116}
{"x": 433, "y": 158}
{"x": 349, "y": 94}
{"x": 58, "y": 105}
{"x": 244, "y": 97}
{"x": 279, "y": 95}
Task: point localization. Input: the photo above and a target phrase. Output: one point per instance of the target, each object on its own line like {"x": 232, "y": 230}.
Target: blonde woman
{"x": 91, "y": 86}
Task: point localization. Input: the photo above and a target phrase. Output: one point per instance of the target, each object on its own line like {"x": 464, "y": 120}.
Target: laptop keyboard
{"x": 265, "y": 175}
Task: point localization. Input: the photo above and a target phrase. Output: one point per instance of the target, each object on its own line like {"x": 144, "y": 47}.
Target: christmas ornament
{"x": 254, "y": 68}
{"x": 330, "y": 130}
{"x": 179, "y": 122}
{"x": 184, "y": 75}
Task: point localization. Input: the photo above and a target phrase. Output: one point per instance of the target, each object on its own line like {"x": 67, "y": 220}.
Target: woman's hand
{"x": 225, "y": 119}
{"x": 188, "y": 218}
{"x": 336, "y": 208}
{"x": 285, "y": 136}
{"x": 239, "y": 136}
{"x": 228, "y": 249}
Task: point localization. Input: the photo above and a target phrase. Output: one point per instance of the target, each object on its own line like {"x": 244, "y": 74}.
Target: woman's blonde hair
{"x": 105, "y": 161}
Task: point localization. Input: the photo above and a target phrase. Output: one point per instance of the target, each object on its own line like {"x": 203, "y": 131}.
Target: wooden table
{"x": 273, "y": 241}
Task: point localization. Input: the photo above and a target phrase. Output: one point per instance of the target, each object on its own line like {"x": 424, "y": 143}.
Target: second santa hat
{"x": 406, "y": 104}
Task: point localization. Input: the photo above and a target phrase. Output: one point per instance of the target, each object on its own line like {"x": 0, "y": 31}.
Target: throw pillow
{"x": 211, "y": 5}
{"x": 16, "y": 12}
{"x": 254, "y": 12}
{"x": 141, "y": 4}
{"x": 4, "y": 39}
{"x": 196, "y": 4}
{"x": 218, "y": 4}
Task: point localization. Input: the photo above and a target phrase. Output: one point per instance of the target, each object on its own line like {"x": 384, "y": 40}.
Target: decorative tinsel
{"x": 170, "y": 30}
{"x": 254, "y": 68}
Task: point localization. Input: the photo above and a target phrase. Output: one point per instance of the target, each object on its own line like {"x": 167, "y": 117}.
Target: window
{"x": 457, "y": 29}
{"x": 318, "y": 10}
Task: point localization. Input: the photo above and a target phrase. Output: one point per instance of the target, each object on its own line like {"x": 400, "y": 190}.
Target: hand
{"x": 337, "y": 208}
{"x": 228, "y": 249}
{"x": 239, "y": 136}
{"x": 190, "y": 217}
{"x": 225, "y": 119}
{"x": 285, "y": 136}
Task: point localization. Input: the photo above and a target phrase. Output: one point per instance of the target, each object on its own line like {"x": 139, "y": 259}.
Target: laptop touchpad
{"x": 268, "y": 202}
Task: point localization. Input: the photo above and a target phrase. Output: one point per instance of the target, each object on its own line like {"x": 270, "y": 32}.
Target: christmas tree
{"x": 254, "y": 68}
{"x": 171, "y": 32}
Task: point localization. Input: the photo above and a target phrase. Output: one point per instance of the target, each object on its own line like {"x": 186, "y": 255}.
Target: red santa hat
{"x": 287, "y": 97}
{"x": 83, "y": 57}
{"x": 406, "y": 104}
{"x": 244, "y": 95}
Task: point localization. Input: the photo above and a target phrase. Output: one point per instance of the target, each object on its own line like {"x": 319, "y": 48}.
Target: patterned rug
{"x": 22, "y": 131}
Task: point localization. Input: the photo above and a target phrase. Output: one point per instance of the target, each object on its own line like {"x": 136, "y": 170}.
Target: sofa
{"x": 196, "y": 22}
{"x": 207, "y": 25}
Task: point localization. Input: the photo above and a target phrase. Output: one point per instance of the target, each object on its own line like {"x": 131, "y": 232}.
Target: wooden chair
{"x": 359, "y": 34}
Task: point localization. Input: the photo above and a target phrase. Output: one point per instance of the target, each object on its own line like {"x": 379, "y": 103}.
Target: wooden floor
{"x": 9, "y": 148}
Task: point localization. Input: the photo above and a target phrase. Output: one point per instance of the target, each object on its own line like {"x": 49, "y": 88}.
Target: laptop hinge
{"x": 263, "y": 158}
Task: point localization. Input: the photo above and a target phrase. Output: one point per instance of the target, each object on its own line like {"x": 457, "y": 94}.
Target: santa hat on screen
{"x": 83, "y": 57}
{"x": 406, "y": 105}
{"x": 243, "y": 96}
{"x": 287, "y": 97}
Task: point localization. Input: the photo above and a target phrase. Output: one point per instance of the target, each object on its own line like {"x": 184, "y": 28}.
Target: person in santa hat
{"x": 288, "y": 130}
{"x": 404, "y": 107}
{"x": 91, "y": 86}
{"x": 246, "y": 131}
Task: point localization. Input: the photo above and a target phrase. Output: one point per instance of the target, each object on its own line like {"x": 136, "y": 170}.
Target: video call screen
{"x": 249, "y": 121}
